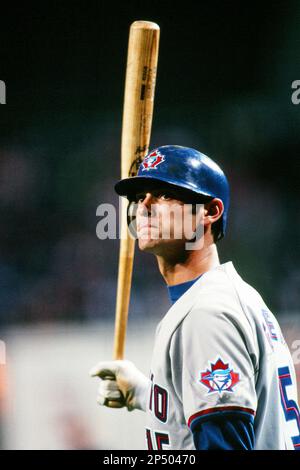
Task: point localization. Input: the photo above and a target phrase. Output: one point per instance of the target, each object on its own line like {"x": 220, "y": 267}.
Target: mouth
{"x": 147, "y": 232}
{"x": 146, "y": 226}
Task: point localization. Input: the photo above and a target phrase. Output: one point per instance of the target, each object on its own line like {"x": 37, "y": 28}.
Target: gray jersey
{"x": 220, "y": 349}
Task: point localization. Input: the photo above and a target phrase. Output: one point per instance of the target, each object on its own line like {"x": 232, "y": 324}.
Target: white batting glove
{"x": 122, "y": 385}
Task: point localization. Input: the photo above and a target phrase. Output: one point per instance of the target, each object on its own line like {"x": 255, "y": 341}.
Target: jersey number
{"x": 290, "y": 407}
{"x": 160, "y": 439}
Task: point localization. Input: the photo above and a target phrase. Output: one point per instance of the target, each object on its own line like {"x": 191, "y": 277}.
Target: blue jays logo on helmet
{"x": 180, "y": 167}
{"x": 152, "y": 160}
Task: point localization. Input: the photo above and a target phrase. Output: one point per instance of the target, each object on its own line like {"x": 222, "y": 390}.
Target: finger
{"x": 107, "y": 386}
{"x": 110, "y": 394}
{"x": 104, "y": 369}
{"x": 101, "y": 400}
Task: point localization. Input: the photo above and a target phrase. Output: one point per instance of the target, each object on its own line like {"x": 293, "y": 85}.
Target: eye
{"x": 165, "y": 196}
{"x": 159, "y": 193}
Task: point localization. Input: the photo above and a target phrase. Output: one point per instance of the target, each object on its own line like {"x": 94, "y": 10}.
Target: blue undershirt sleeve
{"x": 236, "y": 432}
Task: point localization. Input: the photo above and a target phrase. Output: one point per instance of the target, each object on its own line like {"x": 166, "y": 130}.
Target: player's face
{"x": 164, "y": 222}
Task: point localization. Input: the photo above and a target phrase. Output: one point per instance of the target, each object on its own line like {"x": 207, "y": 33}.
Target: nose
{"x": 145, "y": 204}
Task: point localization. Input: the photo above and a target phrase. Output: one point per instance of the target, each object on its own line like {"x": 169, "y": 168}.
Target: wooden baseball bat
{"x": 136, "y": 129}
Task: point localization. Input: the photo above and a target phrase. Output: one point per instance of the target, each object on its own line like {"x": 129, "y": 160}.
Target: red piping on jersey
{"x": 219, "y": 408}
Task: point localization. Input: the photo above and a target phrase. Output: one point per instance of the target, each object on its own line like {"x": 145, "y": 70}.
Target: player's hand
{"x": 122, "y": 384}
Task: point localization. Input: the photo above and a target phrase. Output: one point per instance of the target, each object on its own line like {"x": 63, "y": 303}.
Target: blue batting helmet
{"x": 184, "y": 168}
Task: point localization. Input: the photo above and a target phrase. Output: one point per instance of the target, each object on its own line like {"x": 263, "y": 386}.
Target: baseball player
{"x": 221, "y": 373}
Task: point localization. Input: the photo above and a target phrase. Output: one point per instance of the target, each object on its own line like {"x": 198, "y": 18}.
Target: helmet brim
{"x": 129, "y": 187}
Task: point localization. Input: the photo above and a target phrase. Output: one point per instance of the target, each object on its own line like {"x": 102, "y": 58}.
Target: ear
{"x": 213, "y": 210}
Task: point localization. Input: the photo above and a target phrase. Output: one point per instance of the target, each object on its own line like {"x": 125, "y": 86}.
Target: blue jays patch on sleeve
{"x": 220, "y": 377}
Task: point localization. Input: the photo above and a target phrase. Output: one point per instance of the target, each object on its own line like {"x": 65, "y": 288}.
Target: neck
{"x": 194, "y": 264}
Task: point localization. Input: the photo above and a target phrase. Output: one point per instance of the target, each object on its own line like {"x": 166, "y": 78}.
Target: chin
{"x": 147, "y": 245}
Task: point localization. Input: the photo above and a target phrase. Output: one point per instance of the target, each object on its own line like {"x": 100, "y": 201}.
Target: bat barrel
{"x": 141, "y": 24}
{"x": 136, "y": 130}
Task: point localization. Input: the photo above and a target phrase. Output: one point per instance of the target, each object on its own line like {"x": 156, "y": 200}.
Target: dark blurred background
{"x": 224, "y": 87}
